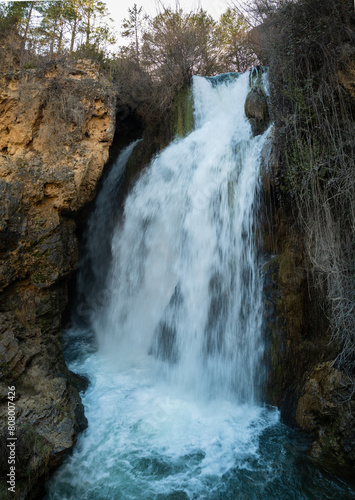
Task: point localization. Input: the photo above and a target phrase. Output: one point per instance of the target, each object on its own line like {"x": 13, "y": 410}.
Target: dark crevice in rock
{"x": 128, "y": 129}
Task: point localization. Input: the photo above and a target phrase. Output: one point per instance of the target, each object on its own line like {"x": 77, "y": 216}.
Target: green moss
{"x": 39, "y": 221}
{"x": 44, "y": 324}
{"x": 61, "y": 411}
{"x": 279, "y": 303}
{"x": 279, "y": 374}
{"x": 30, "y": 65}
{"x": 38, "y": 277}
{"x": 286, "y": 267}
{"x": 183, "y": 112}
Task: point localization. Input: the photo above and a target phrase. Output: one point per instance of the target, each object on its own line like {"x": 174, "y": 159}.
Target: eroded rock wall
{"x": 56, "y": 127}
{"x": 303, "y": 380}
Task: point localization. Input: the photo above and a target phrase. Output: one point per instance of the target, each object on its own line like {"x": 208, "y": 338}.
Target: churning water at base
{"x": 172, "y": 405}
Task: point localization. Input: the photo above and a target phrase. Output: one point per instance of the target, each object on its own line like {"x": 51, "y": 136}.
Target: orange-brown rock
{"x": 56, "y": 127}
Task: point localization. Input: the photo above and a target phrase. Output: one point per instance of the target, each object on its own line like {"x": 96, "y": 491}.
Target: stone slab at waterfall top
{"x": 56, "y": 126}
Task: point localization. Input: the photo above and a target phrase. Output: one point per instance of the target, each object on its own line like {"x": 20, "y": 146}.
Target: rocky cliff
{"x": 303, "y": 379}
{"x": 56, "y": 127}
{"x": 308, "y": 47}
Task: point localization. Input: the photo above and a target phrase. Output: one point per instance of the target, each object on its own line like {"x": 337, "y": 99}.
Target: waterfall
{"x": 173, "y": 292}
{"x": 185, "y": 284}
{"x": 94, "y": 262}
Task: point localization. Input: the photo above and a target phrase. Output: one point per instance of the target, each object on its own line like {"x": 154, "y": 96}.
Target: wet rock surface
{"x": 257, "y": 110}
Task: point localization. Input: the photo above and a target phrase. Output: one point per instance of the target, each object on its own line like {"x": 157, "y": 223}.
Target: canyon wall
{"x": 57, "y": 124}
{"x": 307, "y": 205}
{"x": 304, "y": 379}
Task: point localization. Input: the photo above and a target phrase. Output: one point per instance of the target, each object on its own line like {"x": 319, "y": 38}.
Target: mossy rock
{"x": 183, "y": 121}
{"x": 257, "y": 110}
{"x": 326, "y": 408}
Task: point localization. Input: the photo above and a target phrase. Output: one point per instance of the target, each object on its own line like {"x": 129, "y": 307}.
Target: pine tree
{"x": 132, "y": 28}
{"x": 231, "y": 37}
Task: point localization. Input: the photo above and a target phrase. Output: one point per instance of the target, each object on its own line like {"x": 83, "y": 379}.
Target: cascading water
{"x": 173, "y": 402}
{"x": 95, "y": 261}
{"x": 185, "y": 280}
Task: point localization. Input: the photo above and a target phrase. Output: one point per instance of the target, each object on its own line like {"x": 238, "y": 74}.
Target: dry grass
{"x": 63, "y": 115}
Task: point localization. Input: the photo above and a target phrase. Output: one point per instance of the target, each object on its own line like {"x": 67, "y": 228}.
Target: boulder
{"x": 257, "y": 110}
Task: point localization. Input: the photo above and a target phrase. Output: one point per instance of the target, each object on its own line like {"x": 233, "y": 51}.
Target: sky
{"x": 119, "y": 8}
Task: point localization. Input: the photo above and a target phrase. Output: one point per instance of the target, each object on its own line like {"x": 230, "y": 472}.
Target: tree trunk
{"x": 137, "y": 46}
{"x": 60, "y": 40}
{"x": 88, "y": 30}
{"x": 26, "y": 29}
{"x": 51, "y": 47}
{"x": 73, "y": 35}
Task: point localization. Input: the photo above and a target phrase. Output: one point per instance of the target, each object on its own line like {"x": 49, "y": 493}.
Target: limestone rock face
{"x": 56, "y": 128}
{"x": 327, "y": 408}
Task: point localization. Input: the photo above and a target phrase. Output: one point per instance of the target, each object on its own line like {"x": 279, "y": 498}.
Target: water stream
{"x": 172, "y": 343}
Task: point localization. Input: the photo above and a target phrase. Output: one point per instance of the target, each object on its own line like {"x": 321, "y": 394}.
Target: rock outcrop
{"x": 326, "y": 409}
{"x": 256, "y": 104}
{"x": 56, "y": 127}
{"x": 302, "y": 381}
{"x": 256, "y": 109}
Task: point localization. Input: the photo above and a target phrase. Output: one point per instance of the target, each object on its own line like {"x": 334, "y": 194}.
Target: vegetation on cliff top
{"x": 161, "y": 55}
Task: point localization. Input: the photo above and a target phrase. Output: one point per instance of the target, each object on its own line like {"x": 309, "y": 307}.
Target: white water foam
{"x": 172, "y": 405}
{"x": 146, "y": 440}
{"x": 185, "y": 281}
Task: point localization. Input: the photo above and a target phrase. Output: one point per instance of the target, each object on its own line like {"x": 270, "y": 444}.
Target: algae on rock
{"x": 182, "y": 115}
